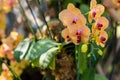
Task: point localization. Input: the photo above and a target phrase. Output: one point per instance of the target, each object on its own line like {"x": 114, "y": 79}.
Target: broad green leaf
{"x": 20, "y": 51}
{"x": 47, "y": 57}
{"x": 40, "y": 47}
{"x": 89, "y": 74}
{"x": 83, "y": 62}
{"x": 100, "y": 77}
{"x": 35, "y": 63}
{"x": 52, "y": 64}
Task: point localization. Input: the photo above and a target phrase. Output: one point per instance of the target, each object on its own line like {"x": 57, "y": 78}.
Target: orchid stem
{"x": 59, "y": 4}
{"x": 14, "y": 74}
{"x": 40, "y": 10}
{"x": 28, "y": 22}
{"x": 34, "y": 18}
{"x": 77, "y": 54}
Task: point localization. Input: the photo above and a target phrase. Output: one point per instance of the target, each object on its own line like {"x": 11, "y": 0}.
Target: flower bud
{"x": 100, "y": 52}
{"x": 84, "y": 48}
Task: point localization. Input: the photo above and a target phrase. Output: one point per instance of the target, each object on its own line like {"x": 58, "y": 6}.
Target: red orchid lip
{"x": 118, "y": 1}
{"x": 78, "y": 39}
{"x": 102, "y": 38}
{"x": 75, "y": 20}
{"x": 79, "y": 32}
{"x": 94, "y": 13}
{"x": 99, "y": 25}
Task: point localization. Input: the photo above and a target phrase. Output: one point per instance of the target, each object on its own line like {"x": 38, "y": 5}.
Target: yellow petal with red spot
{"x": 102, "y": 38}
{"x": 74, "y": 40}
{"x": 65, "y": 35}
{"x": 85, "y": 34}
{"x": 99, "y": 10}
{"x": 72, "y": 8}
{"x": 66, "y": 17}
{"x": 101, "y": 23}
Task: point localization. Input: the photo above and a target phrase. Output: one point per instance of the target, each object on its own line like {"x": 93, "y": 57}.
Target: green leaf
{"x": 83, "y": 62}
{"x": 100, "y": 77}
{"x": 20, "y": 51}
{"x": 52, "y": 64}
{"x": 89, "y": 74}
{"x": 35, "y": 63}
{"x": 78, "y": 1}
{"x": 47, "y": 57}
{"x": 84, "y": 8}
{"x": 40, "y": 47}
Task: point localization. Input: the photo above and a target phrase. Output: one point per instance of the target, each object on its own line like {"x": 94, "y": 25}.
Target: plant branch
{"x": 14, "y": 74}
{"x": 34, "y": 18}
{"x": 28, "y": 22}
{"x": 40, "y": 10}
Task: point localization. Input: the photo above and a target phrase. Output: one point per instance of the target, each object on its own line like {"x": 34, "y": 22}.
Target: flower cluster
{"x": 100, "y": 24}
{"x": 76, "y": 29}
{"x": 6, "y": 51}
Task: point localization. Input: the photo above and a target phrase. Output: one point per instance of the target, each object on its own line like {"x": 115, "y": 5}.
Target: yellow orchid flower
{"x": 98, "y": 33}
{"x": 100, "y": 24}
{"x": 72, "y": 16}
{"x": 96, "y": 10}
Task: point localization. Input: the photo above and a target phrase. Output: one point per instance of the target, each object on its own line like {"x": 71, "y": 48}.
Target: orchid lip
{"x": 75, "y": 20}
{"x": 78, "y": 39}
{"x": 102, "y": 38}
{"x": 118, "y": 1}
{"x": 99, "y": 25}
{"x": 67, "y": 36}
{"x": 79, "y": 32}
{"x": 94, "y": 13}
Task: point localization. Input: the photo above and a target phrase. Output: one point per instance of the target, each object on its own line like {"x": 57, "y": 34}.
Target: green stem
{"x": 77, "y": 55}
{"x": 28, "y": 22}
{"x": 34, "y": 18}
{"x": 59, "y": 7}
{"x": 86, "y": 13}
{"x": 38, "y": 4}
